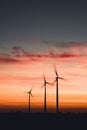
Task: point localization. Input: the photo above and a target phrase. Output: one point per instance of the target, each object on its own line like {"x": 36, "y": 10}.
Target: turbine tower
{"x": 30, "y": 94}
{"x": 44, "y": 85}
{"x": 57, "y": 92}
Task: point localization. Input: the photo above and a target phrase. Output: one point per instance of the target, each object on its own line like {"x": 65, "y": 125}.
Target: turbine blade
{"x": 42, "y": 86}
{"x": 47, "y": 83}
{"x": 56, "y": 73}
{"x": 44, "y": 78}
{"x": 31, "y": 94}
{"x": 55, "y": 70}
{"x": 61, "y": 78}
{"x": 53, "y": 82}
{"x": 31, "y": 89}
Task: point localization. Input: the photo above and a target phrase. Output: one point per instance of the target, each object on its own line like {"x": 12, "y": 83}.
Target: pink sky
{"x": 21, "y": 70}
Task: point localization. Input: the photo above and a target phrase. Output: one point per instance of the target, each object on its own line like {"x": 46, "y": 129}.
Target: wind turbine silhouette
{"x": 30, "y": 94}
{"x": 57, "y": 92}
{"x": 44, "y": 85}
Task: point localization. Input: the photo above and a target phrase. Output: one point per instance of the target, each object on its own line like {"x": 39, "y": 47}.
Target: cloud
{"x": 64, "y": 44}
{"x": 19, "y": 55}
{"x": 20, "y": 52}
{"x": 7, "y": 59}
{"x": 76, "y": 48}
{"x": 63, "y": 55}
{"x": 55, "y": 43}
{"x": 17, "y": 50}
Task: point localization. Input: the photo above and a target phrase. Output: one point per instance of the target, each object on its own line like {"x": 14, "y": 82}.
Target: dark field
{"x": 20, "y": 120}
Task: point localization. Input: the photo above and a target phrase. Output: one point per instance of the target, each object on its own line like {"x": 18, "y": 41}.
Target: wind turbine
{"x": 44, "y": 85}
{"x": 57, "y": 92}
{"x": 30, "y": 94}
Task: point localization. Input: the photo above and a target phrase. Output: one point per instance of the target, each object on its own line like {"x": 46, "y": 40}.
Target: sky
{"x": 34, "y": 36}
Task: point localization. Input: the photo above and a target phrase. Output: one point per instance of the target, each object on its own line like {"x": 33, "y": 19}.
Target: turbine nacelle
{"x": 30, "y": 92}
{"x": 45, "y": 82}
{"x": 59, "y": 78}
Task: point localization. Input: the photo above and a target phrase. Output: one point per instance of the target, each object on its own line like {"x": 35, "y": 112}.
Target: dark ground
{"x": 42, "y": 121}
